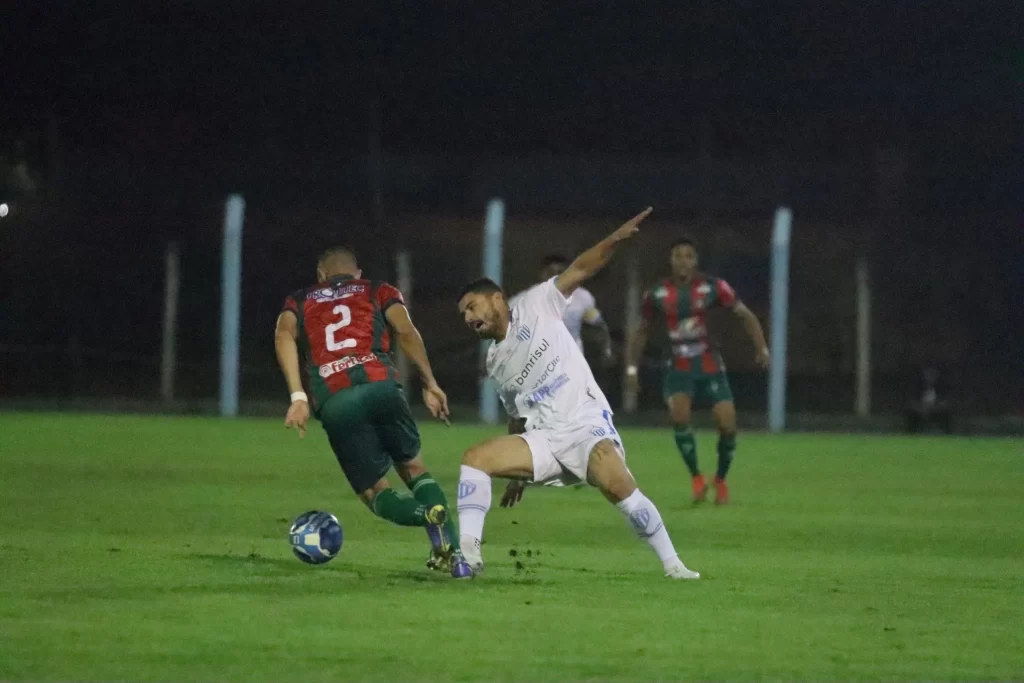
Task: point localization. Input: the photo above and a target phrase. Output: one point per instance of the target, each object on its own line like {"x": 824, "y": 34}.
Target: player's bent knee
{"x": 476, "y": 457}
{"x": 679, "y": 410}
{"x": 608, "y": 472}
{"x": 369, "y": 494}
{"x": 725, "y": 418}
{"x": 411, "y": 469}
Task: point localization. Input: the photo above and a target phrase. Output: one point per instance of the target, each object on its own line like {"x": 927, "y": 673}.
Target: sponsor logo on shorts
{"x": 547, "y": 391}
{"x": 344, "y": 364}
{"x": 466, "y": 489}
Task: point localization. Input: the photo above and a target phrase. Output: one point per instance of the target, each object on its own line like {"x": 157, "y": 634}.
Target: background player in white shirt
{"x": 560, "y": 423}
{"x": 582, "y": 309}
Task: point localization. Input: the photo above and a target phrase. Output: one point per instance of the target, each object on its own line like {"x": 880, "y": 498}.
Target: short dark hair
{"x": 554, "y": 260}
{"x": 684, "y": 241}
{"x": 483, "y": 285}
{"x": 337, "y": 254}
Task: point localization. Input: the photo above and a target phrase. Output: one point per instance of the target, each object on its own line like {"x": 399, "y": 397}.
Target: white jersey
{"x": 582, "y": 308}
{"x": 540, "y": 370}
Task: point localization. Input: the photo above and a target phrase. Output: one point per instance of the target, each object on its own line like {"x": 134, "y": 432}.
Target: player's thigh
{"x": 503, "y": 456}
{"x": 353, "y": 438}
{"x": 394, "y": 423}
{"x": 606, "y": 470}
{"x": 680, "y": 408}
{"x": 678, "y": 388}
{"x": 723, "y": 408}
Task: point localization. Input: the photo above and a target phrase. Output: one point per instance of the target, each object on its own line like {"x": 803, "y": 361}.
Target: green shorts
{"x": 370, "y": 428}
{"x": 712, "y": 387}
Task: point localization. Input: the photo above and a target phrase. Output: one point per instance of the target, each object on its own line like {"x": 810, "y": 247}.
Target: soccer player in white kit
{"x": 560, "y": 423}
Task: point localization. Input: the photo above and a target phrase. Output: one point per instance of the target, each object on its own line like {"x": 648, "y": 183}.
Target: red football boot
{"x": 700, "y": 489}
{"x": 721, "y": 492}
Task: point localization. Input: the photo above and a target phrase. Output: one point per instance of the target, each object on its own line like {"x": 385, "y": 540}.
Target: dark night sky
{"x": 822, "y": 79}
{"x": 215, "y": 97}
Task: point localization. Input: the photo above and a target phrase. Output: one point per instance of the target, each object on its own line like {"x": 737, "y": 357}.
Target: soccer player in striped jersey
{"x": 695, "y": 370}
{"x": 340, "y": 329}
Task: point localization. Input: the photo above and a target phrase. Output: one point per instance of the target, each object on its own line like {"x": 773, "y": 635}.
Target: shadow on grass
{"x": 252, "y": 559}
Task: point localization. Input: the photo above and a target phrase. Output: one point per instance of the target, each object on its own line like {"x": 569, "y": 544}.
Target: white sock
{"x": 474, "y": 501}
{"x": 646, "y": 521}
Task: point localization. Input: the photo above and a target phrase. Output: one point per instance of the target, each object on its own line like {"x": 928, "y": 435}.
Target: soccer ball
{"x": 315, "y": 537}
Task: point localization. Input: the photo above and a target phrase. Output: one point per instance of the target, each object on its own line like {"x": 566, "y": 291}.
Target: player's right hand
{"x": 297, "y": 417}
{"x": 513, "y": 494}
{"x": 436, "y": 402}
{"x": 632, "y": 226}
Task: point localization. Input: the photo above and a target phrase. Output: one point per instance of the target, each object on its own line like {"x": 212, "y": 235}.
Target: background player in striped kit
{"x": 695, "y": 370}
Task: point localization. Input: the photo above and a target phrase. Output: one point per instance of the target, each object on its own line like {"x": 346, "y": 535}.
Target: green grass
{"x": 154, "y": 549}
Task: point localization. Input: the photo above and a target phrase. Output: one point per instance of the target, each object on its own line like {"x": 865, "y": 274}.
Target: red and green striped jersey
{"x": 344, "y": 338}
{"x": 684, "y": 308}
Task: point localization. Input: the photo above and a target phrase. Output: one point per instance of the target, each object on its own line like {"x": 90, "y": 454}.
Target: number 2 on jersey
{"x": 334, "y": 344}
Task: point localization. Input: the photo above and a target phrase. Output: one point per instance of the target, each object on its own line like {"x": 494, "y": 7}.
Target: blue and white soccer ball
{"x": 315, "y": 537}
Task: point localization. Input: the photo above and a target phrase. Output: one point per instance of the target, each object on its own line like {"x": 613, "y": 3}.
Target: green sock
{"x": 430, "y": 493}
{"x": 399, "y": 508}
{"x": 687, "y": 448}
{"x": 726, "y": 450}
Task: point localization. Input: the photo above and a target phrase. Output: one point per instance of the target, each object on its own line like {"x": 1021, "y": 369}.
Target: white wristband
{"x": 299, "y": 396}
{"x": 631, "y": 371}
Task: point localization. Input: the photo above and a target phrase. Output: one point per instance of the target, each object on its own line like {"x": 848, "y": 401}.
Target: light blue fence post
{"x": 231, "y": 301}
{"x": 780, "y": 315}
{"x": 494, "y": 228}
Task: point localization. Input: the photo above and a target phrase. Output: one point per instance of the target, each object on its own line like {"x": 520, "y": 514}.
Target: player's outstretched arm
{"x": 594, "y": 259}
{"x": 411, "y": 341}
{"x": 753, "y": 327}
{"x": 287, "y": 348}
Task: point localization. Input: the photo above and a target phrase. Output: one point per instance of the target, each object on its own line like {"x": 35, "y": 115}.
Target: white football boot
{"x": 471, "y": 552}
{"x": 680, "y": 571}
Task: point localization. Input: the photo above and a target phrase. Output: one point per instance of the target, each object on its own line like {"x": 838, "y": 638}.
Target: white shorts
{"x": 561, "y": 456}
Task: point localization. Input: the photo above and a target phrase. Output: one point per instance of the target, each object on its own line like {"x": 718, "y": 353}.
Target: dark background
{"x": 892, "y": 130}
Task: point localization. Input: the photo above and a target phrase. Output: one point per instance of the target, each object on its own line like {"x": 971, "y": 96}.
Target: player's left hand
{"x": 297, "y": 417}
{"x": 764, "y": 358}
{"x": 513, "y": 494}
{"x": 632, "y": 226}
{"x": 436, "y": 402}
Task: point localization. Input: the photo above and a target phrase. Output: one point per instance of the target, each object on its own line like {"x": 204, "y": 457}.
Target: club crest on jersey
{"x": 523, "y": 334}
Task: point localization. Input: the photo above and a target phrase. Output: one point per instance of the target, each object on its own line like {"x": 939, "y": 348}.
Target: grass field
{"x": 154, "y": 549}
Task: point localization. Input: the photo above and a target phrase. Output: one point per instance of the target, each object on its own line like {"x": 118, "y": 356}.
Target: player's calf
{"x": 397, "y": 508}
{"x": 504, "y": 456}
{"x": 725, "y": 419}
{"x": 607, "y": 471}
